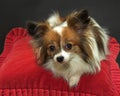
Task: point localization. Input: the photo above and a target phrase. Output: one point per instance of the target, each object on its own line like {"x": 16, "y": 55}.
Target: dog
{"x": 69, "y": 46}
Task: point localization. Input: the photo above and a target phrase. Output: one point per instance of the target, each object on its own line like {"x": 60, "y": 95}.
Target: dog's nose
{"x": 60, "y": 59}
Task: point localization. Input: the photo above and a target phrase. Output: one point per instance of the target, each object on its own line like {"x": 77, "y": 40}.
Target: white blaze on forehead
{"x": 59, "y": 28}
{"x": 63, "y": 53}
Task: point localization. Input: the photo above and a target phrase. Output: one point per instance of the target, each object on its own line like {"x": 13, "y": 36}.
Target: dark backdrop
{"x": 15, "y": 13}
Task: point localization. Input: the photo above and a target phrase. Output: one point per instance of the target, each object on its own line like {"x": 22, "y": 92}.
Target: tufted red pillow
{"x": 20, "y": 75}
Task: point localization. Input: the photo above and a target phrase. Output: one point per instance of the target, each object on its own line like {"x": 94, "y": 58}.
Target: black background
{"x": 15, "y": 13}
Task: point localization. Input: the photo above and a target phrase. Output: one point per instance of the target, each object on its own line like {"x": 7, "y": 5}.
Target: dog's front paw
{"x": 73, "y": 81}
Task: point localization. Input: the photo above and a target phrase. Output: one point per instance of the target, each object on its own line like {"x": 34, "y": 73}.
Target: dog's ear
{"x": 31, "y": 26}
{"x": 37, "y": 29}
{"x": 78, "y": 19}
{"x": 83, "y": 16}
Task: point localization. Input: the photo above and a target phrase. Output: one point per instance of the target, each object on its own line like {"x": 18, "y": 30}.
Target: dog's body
{"x": 71, "y": 46}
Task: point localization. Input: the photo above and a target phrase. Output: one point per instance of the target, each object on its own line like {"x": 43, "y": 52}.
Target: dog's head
{"x": 59, "y": 39}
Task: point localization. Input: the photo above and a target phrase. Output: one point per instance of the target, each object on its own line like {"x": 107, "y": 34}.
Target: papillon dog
{"x": 70, "y": 46}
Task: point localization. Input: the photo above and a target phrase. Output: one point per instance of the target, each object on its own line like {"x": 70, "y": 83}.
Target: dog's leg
{"x": 73, "y": 80}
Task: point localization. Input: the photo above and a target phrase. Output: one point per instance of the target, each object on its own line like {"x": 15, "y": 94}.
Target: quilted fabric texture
{"x": 21, "y": 76}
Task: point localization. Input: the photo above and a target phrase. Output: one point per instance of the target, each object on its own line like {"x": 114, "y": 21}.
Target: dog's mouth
{"x": 61, "y": 63}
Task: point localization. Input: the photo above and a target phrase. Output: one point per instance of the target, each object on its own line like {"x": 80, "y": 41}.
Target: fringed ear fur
{"x": 37, "y": 29}
{"x": 40, "y": 55}
{"x": 78, "y": 19}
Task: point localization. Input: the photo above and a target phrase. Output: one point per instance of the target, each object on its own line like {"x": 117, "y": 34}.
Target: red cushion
{"x": 19, "y": 73}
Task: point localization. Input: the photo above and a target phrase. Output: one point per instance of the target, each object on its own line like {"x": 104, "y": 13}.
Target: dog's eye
{"x": 52, "y": 48}
{"x": 68, "y": 46}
